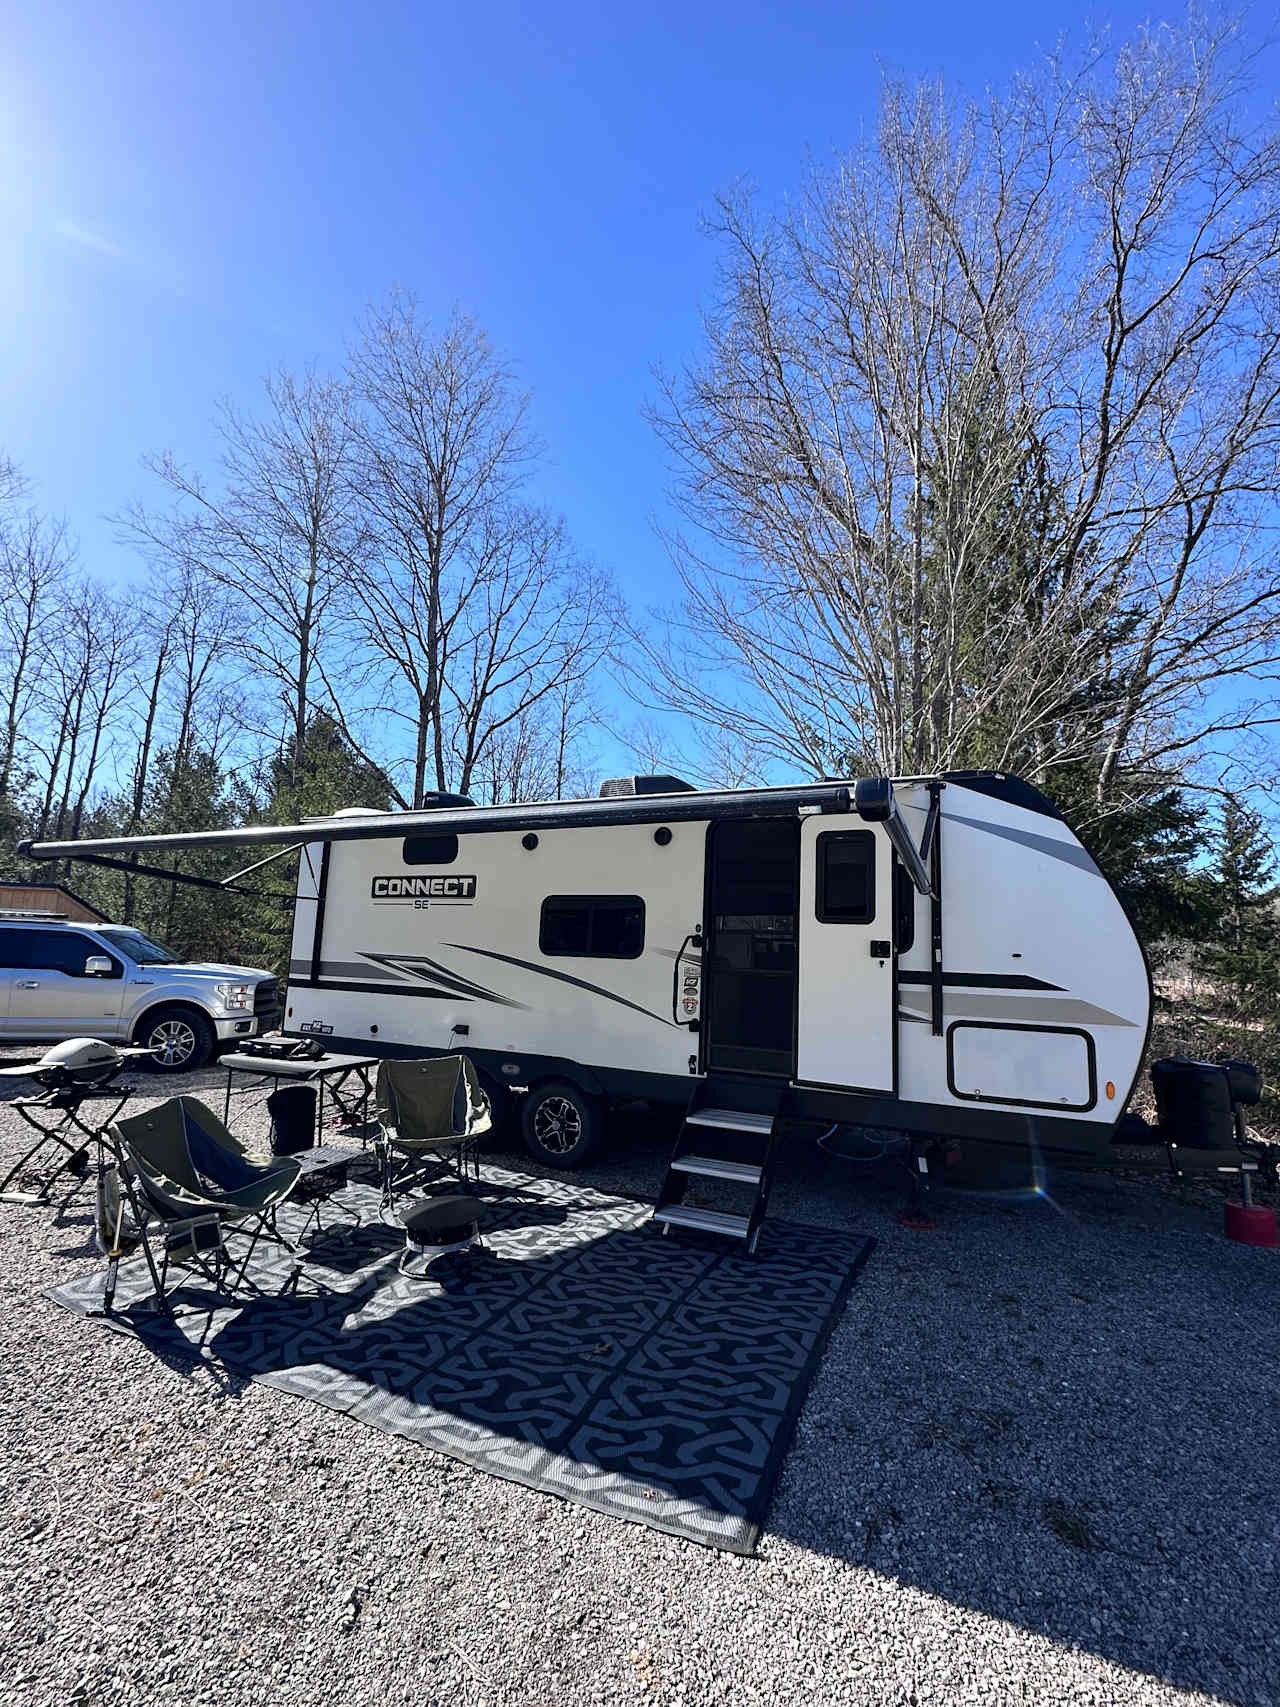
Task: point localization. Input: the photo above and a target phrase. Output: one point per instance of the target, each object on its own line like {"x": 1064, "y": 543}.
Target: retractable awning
{"x": 871, "y": 799}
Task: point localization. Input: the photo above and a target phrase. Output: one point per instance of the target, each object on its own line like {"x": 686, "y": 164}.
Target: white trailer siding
{"x": 455, "y": 958}
{"x": 1045, "y": 996}
{"x": 1034, "y": 937}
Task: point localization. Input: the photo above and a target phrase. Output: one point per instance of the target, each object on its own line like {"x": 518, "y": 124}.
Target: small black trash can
{"x": 293, "y": 1119}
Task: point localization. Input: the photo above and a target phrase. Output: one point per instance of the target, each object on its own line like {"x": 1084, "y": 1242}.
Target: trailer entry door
{"x": 846, "y": 956}
{"x": 749, "y": 1002}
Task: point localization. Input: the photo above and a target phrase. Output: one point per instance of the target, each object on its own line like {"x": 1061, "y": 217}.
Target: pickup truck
{"x": 60, "y": 978}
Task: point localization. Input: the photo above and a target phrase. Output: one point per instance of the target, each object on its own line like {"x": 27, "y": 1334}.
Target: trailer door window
{"x": 846, "y": 888}
{"x": 430, "y": 850}
{"x": 598, "y": 927}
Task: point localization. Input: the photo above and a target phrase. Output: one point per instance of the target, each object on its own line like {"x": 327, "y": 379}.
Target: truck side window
{"x": 65, "y": 951}
{"x": 430, "y": 850}
{"x": 847, "y": 877}
{"x": 599, "y": 927}
{"x": 15, "y": 949}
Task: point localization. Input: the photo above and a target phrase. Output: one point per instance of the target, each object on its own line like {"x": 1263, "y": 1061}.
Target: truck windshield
{"x": 140, "y": 949}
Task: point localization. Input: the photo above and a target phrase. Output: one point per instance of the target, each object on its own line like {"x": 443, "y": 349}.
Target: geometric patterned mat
{"x": 655, "y": 1379}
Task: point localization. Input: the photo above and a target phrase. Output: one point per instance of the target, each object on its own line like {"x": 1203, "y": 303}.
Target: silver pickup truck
{"x": 62, "y": 979}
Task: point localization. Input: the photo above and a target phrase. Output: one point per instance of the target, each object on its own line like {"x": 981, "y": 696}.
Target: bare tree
{"x": 87, "y": 666}
{"x": 184, "y": 634}
{"x": 279, "y": 531}
{"x": 981, "y": 451}
{"x": 471, "y": 601}
{"x": 544, "y": 753}
{"x": 13, "y": 486}
{"x": 36, "y": 555}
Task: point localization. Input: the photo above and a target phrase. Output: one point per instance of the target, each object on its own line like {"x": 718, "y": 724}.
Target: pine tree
{"x": 1245, "y": 957}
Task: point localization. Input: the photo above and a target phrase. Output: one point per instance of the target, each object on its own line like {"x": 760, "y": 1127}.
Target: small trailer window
{"x": 598, "y": 927}
{"x": 847, "y": 877}
{"x": 430, "y": 850}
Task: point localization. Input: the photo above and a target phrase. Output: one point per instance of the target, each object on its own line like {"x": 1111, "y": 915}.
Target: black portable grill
{"x": 68, "y": 1074}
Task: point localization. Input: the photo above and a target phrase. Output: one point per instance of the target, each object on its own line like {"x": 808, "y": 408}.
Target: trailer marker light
{"x": 1111, "y": 1089}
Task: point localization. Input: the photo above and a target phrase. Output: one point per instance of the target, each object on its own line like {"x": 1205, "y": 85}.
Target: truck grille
{"x": 266, "y": 997}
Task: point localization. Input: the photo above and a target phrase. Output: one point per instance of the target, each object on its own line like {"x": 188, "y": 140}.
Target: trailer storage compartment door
{"x": 1030, "y": 1066}
{"x": 846, "y": 956}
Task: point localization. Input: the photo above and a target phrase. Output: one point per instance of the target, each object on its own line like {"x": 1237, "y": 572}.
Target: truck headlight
{"x": 234, "y": 995}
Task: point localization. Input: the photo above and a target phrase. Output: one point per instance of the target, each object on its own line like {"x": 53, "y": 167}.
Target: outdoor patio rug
{"x": 654, "y": 1379}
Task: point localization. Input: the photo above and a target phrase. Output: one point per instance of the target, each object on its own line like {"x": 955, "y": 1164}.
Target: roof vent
{"x": 620, "y": 785}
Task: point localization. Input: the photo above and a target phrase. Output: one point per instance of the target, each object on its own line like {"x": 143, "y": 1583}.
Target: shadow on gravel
{"x": 1063, "y": 1414}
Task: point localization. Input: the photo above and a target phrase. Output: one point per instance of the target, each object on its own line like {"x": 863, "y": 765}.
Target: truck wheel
{"x": 561, "y": 1124}
{"x": 179, "y": 1039}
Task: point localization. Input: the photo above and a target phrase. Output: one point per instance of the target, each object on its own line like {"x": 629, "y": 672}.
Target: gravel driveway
{"x": 1036, "y": 1465}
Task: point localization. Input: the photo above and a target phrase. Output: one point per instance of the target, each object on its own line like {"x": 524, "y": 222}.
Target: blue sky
{"x": 192, "y": 194}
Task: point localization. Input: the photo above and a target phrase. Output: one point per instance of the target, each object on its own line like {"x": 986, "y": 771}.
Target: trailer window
{"x": 847, "y": 877}
{"x": 430, "y": 850}
{"x": 599, "y": 927}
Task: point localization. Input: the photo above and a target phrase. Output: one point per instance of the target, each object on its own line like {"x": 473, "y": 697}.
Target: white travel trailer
{"x": 938, "y": 957}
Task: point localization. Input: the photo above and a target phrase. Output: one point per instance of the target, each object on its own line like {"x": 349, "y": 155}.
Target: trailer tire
{"x": 561, "y": 1123}
{"x": 499, "y": 1103}
{"x": 182, "y": 1038}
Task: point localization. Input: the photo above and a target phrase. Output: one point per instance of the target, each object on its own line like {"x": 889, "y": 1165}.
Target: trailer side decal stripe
{"x": 453, "y": 982}
{"x": 564, "y": 977}
{"x": 1071, "y": 853}
{"x": 1028, "y": 1010}
{"x": 981, "y": 980}
{"x": 330, "y": 969}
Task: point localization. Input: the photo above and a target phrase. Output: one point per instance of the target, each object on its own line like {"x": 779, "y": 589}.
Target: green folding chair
{"x": 189, "y": 1179}
{"x": 431, "y": 1115}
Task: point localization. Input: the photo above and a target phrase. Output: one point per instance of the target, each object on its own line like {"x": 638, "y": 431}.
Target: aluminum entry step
{"x": 714, "y": 1167}
{"x": 703, "y": 1220}
{"x": 731, "y": 1119}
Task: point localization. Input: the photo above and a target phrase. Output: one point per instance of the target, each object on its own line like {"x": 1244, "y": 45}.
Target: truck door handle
{"x": 28, "y": 983}
{"x": 880, "y": 950}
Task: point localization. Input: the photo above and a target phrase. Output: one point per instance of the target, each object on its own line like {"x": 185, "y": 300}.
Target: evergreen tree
{"x": 1148, "y": 849}
{"x": 1244, "y": 957}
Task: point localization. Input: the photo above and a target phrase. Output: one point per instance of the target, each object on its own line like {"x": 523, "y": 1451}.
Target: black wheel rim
{"x": 557, "y": 1125}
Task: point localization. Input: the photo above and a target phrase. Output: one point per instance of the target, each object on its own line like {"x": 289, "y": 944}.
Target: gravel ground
{"x": 1036, "y": 1465}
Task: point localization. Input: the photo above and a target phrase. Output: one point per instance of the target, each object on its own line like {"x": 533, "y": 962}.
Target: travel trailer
{"x": 937, "y": 957}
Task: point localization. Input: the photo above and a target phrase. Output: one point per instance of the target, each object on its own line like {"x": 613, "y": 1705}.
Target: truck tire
{"x": 180, "y": 1039}
{"x": 561, "y": 1124}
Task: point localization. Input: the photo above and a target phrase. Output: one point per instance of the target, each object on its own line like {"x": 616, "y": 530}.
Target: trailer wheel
{"x": 499, "y": 1102}
{"x": 561, "y": 1124}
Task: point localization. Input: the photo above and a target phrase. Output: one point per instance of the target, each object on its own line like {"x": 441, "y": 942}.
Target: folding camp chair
{"x": 430, "y": 1117}
{"x": 182, "y": 1169}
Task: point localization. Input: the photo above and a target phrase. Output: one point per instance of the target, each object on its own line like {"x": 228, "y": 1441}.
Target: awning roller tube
{"x": 874, "y": 800}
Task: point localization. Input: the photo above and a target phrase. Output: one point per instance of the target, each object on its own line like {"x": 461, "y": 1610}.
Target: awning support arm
{"x": 230, "y": 886}
{"x": 257, "y": 865}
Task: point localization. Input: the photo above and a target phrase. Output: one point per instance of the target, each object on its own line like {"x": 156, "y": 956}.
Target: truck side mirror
{"x": 99, "y": 966}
